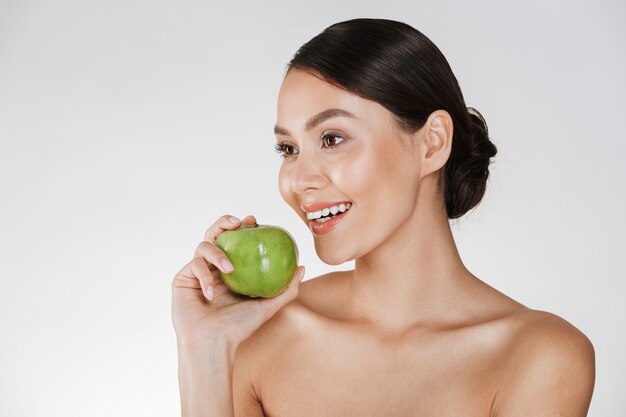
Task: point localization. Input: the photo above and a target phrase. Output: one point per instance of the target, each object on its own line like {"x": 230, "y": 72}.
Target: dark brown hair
{"x": 394, "y": 64}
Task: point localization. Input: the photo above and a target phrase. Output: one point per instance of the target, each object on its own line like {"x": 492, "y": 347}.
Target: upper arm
{"x": 245, "y": 400}
{"x": 550, "y": 373}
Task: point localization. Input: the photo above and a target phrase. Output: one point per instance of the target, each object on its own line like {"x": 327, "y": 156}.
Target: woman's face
{"x": 357, "y": 159}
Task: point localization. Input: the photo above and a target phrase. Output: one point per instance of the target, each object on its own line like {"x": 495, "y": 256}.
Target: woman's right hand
{"x": 199, "y": 317}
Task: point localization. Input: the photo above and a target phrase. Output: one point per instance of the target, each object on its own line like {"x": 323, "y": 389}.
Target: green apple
{"x": 264, "y": 259}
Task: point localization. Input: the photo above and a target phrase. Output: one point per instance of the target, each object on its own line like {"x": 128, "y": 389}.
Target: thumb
{"x": 290, "y": 293}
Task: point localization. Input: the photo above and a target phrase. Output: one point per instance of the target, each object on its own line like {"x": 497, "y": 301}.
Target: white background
{"x": 128, "y": 127}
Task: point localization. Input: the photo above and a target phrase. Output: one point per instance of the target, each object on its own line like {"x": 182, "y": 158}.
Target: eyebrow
{"x": 317, "y": 119}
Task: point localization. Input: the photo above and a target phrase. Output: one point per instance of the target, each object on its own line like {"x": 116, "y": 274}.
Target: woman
{"x": 373, "y": 128}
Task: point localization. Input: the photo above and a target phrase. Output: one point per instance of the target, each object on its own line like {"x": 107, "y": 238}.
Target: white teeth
{"x": 328, "y": 210}
{"x": 325, "y": 219}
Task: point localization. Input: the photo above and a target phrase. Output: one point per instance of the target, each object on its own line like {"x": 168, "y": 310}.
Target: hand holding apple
{"x": 264, "y": 258}
{"x": 205, "y": 311}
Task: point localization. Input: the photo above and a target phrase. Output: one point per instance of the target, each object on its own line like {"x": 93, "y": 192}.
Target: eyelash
{"x": 280, "y": 148}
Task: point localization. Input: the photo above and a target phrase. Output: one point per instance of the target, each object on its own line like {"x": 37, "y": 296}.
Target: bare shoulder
{"x": 542, "y": 332}
{"x": 550, "y": 368}
{"x": 286, "y": 328}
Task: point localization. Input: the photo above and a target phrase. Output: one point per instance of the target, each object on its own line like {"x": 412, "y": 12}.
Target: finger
{"x": 185, "y": 278}
{"x": 214, "y": 256}
{"x": 249, "y": 220}
{"x": 196, "y": 275}
{"x": 290, "y": 293}
{"x": 225, "y": 222}
{"x": 201, "y": 270}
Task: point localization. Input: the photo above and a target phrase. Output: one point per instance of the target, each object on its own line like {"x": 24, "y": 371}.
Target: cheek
{"x": 369, "y": 176}
{"x": 283, "y": 184}
{"x": 383, "y": 186}
{"x": 353, "y": 175}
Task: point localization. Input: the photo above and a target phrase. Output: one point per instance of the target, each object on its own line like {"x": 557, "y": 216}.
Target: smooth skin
{"x": 410, "y": 331}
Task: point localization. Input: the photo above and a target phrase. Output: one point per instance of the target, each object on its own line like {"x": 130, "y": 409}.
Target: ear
{"x": 436, "y": 141}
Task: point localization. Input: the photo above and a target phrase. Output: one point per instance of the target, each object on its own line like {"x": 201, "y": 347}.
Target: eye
{"x": 329, "y": 138}
{"x": 284, "y": 150}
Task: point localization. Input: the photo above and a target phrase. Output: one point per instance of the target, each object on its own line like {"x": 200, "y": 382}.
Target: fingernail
{"x": 209, "y": 293}
{"x": 301, "y": 274}
{"x": 228, "y": 267}
{"x": 234, "y": 220}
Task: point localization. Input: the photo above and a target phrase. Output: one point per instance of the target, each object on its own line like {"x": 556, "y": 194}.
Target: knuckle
{"x": 225, "y": 218}
{"x": 222, "y": 223}
{"x": 175, "y": 281}
{"x": 203, "y": 245}
{"x": 208, "y": 233}
{"x": 204, "y": 248}
{"x": 200, "y": 269}
{"x": 199, "y": 263}
{"x": 211, "y": 250}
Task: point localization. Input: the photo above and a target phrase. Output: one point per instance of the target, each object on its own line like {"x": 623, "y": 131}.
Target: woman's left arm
{"x": 551, "y": 373}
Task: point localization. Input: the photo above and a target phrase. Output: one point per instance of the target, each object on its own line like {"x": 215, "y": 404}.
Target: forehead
{"x": 302, "y": 95}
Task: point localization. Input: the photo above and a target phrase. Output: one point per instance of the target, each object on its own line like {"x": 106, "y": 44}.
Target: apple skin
{"x": 264, "y": 259}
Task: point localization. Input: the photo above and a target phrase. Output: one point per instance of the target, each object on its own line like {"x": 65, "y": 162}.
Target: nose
{"x": 306, "y": 174}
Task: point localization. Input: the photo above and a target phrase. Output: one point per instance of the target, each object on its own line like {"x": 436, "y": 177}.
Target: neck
{"x": 412, "y": 278}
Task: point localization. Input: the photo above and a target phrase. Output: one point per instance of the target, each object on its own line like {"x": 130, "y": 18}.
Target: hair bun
{"x": 477, "y": 164}
{"x": 466, "y": 178}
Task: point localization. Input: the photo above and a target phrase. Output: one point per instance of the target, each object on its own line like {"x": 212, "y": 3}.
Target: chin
{"x": 332, "y": 257}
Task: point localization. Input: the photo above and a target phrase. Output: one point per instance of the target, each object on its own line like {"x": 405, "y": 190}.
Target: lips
{"x": 323, "y": 217}
{"x": 327, "y": 226}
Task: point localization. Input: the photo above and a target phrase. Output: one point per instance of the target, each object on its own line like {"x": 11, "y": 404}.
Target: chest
{"x": 339, "y": 373}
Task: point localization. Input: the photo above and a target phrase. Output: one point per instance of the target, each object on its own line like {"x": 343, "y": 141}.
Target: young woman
{"x": 380, "y": 151}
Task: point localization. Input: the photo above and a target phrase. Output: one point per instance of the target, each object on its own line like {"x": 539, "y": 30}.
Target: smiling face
{"x": 341, "y": 158}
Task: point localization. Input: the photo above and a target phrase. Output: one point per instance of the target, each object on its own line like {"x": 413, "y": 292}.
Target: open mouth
{"x": 322, "y": 216}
